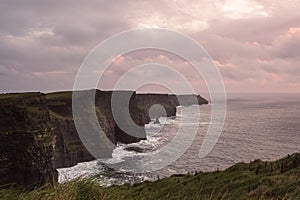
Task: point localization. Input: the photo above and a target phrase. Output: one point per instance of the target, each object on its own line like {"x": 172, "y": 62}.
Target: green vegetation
{"x": 256, "y": 180}
{"x": 23, "y": 112}
{"x": 59, "y": 95}
{"x": 18, "y": 95}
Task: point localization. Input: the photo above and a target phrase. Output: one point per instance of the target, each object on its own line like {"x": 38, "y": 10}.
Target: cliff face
{"x": 168, "y": 101}
{"x": 26, "y": 140}
{"x": 69, "y": 147}
{"x": 38, "y": 133}
{"x": 146, "y": 101}
{"x": 122, "y": 100}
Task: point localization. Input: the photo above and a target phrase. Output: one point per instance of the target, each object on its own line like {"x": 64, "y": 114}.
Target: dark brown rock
{"x": 26, "y": 141}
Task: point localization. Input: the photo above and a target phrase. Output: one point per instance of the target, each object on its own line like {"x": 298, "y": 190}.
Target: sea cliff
{"x": 38, "y": 133}
{"x": 27, "y": 140}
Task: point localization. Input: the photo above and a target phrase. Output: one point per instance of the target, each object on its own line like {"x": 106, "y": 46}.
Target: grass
{"x": 18, "y": 95}
{"x": 257, "y": 180}
{"x": 59, "y": 95}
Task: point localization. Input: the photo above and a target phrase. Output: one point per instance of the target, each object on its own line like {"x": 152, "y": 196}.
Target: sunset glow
{"x": 261, "y": 39}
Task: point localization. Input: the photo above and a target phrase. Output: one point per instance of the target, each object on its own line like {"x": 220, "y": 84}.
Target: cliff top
{"x": 19, "y": 95}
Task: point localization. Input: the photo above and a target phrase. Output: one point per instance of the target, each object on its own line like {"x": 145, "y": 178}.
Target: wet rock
{"x": 135, "y": 149}
{"x": 156, "y": 121}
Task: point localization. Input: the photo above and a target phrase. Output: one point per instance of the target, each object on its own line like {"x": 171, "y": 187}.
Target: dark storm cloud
{"x": 52, "y": 36}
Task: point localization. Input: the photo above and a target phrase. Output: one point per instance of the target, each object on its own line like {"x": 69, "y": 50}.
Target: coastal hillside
{"x": 256, "y": 180}
{"x": 27, "y": 139}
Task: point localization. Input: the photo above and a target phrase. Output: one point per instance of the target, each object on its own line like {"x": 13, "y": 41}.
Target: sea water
{"x": 257, "y": 126}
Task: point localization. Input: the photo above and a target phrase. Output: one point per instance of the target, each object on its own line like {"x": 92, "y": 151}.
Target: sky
{"x": 254, "y": 44}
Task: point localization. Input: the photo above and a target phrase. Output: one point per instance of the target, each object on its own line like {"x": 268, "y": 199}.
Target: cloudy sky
{"x": 255, "y": 44}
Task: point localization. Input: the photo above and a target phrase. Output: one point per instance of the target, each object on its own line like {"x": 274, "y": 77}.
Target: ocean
{"x": 257, "y": 126}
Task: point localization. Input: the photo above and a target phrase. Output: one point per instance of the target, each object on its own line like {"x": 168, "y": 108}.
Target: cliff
{"x": 38, "y": 133}
{"x": 187, "y": 99}
{"x": 133, "y": 123}
{"x": 26, "y": 140}
{"x": 69, "y": 147}
{"x": 146, "y": 101}
{"x": 169, "y": 102}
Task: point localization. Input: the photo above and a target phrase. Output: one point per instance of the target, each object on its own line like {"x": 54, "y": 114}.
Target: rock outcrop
{"x": 26, "y": 140}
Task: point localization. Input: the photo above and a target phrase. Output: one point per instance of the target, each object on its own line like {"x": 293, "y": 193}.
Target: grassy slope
{"x": 57, "y": 95}
{"x": 257, "y": 180}
{"x": 18, "y": 95}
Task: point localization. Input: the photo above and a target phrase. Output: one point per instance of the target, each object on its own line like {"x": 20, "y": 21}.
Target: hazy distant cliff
{"x": 168, "y": 101}
{"x": 146, "y": 101}
{"x": 187, "y": 99}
